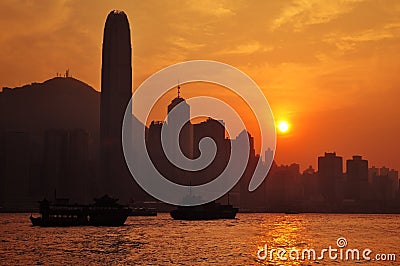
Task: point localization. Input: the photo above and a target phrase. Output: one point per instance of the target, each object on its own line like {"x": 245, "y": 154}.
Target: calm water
{"x": 163, "y": 241}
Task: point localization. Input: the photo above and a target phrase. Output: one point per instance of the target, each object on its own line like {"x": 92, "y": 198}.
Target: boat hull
{"x": 207, "y": 212}
{"x": 104, "y": 212}
{"x": 93, "y": 221}
{"x": 143, "y": 212}
{"x": 108, "y": 220}
{"x": 38, "y": 221}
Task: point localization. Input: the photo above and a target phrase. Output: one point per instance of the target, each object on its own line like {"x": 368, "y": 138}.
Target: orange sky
{"x": 329, "y": 67}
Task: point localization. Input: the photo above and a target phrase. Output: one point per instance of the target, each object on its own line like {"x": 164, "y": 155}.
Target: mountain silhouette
{"x": 58, "y": 103}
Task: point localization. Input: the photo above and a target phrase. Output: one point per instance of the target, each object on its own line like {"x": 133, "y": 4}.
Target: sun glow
{"x": 283, "y": 127}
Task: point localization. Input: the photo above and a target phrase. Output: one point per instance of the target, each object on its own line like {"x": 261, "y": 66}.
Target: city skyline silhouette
{"x": 335, "y": 84}
{"x": 379, "y": 182}
{"x": 102, "y": 161}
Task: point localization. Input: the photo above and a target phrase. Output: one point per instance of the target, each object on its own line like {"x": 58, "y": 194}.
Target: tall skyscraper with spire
{"x": 116, "y": 91}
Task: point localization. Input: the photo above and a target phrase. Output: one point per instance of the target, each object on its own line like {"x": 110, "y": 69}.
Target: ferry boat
{"x": 209, "y": 211}
{"x": 104, "y": 212}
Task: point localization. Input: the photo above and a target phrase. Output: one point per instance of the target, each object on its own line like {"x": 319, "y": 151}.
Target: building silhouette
{"x": 15, "y": 162}
{"x": 385, "y": 183}
{"x": 283, "y": 187}
{"x": 66, "y": 166}
{"x": 178, "y": 124}
{"x": 214, "y": 129}
{"x": 53, "y": 151}
{"x": 330, "y": 173}
{"x": 190, "y": 136}
{"x": 116, "y": 91}
{"x": 269, "y": 155}
{"x": 357, "y": 178}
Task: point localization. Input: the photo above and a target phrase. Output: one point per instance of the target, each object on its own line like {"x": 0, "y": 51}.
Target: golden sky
{"x": 331, "y": 68}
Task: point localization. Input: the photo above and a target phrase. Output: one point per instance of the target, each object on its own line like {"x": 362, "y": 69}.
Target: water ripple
{"x": 163, "y": 241}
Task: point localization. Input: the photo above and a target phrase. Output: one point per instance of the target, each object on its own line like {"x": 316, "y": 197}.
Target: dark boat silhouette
{"x": 104, "y": 212}
{"x": 291, "y": 212}
{"x": 138, "y": 209}
{"x": 209, "y": 211}
{"x": 142, "y": 211}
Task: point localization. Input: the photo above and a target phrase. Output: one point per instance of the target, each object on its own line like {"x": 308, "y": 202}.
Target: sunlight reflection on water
{"x": 163, "y": 241}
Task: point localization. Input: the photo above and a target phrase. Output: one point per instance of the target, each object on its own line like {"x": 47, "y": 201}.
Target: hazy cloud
{"x": 301, "y": 13}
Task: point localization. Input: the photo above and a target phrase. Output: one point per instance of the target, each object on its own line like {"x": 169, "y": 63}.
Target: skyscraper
{"x": 181, "y": 115}
{"x": 116, "y": 91}
{"x": 330, "y": 171}
{"x": 357, "y": 177}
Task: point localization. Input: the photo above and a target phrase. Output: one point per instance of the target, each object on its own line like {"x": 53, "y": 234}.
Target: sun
{"x": 283, "y": 127}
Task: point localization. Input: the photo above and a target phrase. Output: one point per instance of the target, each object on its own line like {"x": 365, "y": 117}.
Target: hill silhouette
{"x": 58, "y": 103}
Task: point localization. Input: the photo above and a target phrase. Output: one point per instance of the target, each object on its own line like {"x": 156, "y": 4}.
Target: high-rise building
{"x": 66, "y": 165}
{"x": 178, "y": 124}
{"x": 330, "y": 171}
{"x": 215, "y": 130}
{"x": 116, "y": 91}
{"x": 357, "y": 169}
{"x": 55, "y": 178}
{"x": 357, "y": 177}
{"x": 269, "y": 155}
{"x": 373, "y": 173}
{"x": 383, "y": 171}
{"x": 15, "y": 171}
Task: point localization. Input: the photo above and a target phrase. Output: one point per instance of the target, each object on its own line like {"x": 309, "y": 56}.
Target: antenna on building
{"x": 179, "y": 90}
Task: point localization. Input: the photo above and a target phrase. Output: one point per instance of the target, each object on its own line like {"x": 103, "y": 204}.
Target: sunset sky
{"x": 329, "y": 68}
